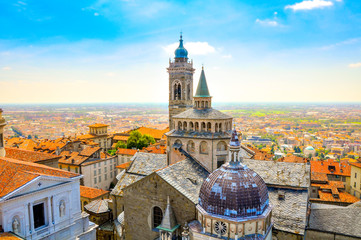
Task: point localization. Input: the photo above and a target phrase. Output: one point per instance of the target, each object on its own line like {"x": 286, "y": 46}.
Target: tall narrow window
{"x": 39, "y": 215}
{"x": 179, "y": 92}
{"x": 157, "y": 216}
{"x": 189, "y": 92}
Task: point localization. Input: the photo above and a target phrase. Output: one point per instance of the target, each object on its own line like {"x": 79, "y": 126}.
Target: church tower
{"x": 180, "y": 82}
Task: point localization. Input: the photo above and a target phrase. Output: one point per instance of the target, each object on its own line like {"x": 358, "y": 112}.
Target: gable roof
{"x": 281, "y": 173}
{"x": 29, "y": 156}
{"x": 143, "y": 164}
{"x": 186, "y": 176}
{"x": 146, "y": 163}
{"x": 91, "y": 193}
{"x": 15, "y": 173}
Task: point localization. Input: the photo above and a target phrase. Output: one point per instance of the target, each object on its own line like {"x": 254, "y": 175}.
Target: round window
{"x": 220, "y": 228}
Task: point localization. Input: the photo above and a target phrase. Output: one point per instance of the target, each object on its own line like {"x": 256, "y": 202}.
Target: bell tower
{"x": 180, "y": 82}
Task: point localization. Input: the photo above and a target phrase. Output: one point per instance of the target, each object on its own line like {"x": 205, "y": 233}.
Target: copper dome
{"x": 235, "y": 191}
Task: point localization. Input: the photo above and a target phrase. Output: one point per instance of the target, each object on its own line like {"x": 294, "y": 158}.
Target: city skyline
{"x": 107, "y": 51}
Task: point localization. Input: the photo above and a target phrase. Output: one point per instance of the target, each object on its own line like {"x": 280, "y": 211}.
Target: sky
{"x": 65, "y": 51}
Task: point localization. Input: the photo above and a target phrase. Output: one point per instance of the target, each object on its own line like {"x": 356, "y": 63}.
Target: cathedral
{"x": 206, "y": 186}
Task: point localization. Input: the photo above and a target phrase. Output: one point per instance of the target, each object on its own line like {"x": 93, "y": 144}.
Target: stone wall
{"x": 316, "y": 235}
{"x": 141, "y": 197}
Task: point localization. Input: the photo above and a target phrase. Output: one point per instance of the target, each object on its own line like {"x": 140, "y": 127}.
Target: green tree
{"x": 139, "y": 141}
{"x": 120, "y": 145}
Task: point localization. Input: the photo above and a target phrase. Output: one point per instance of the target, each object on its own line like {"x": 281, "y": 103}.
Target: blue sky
{"x": 118, "y": 51}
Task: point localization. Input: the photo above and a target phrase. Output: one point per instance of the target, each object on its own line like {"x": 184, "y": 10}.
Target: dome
{"x": 181, "y": 52}
{"x": 309, "y": 148}
{"x": 234, "y": 191}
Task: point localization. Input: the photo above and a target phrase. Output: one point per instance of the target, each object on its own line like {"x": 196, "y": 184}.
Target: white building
{"x": 40, "y": 202}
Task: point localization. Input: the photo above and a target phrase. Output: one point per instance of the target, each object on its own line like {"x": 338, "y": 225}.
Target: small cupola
{"x": 181, "y": 53}
{"x": 202, "y": 98}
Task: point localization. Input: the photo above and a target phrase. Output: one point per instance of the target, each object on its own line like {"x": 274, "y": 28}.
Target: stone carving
{"x": 16, "y": 226}
{"x": 62, "y": 209}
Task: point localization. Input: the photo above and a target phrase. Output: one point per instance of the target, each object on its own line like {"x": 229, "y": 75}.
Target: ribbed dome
{"x": 181, "y": 52}
{"x": 235, "y": 191}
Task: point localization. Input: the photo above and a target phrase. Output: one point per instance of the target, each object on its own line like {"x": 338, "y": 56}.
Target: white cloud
{"x": 355, "y": 65}
{"x": 267, "y": 22}
{"x": 310, "y": 4}
{"x": 110, "y": 74}
{"x": 96, "y": 14}
{"x": 196, "y": 48}
{"x": 6, "y": 68}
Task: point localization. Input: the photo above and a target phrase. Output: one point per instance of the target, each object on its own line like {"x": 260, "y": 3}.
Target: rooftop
{"x": 15, "y": 173}
{"x": 91, "y": 193}
{"x": 29, "y": 156}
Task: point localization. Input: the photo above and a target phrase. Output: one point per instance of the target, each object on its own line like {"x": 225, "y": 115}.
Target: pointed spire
{"x": 169, "y": 221}
{"x": 202, "y": 89}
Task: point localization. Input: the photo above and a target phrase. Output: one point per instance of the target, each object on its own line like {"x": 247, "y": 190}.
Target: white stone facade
{"x": 100, "y": 174}
{"x": 59, "y": 202}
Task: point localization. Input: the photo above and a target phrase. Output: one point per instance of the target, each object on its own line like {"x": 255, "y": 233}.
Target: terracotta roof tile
{"x": 29, "y": 156}
{"x": 125, "y": 151}
{"x": 9, "y": 236}
{"x": 88, "y": 151}
{"x": 124, "y": 165}
{"x": 15, "y": 173}
{"x": 120, "y": 138}
{"x": 91, "y": 193}
{"x": 343, "y": 197}
{"x": 343, "y": 169}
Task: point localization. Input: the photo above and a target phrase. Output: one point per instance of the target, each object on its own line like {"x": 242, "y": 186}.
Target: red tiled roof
{"x": 91, "y": 193}
{"x": 9, "y": 236}
{"x": 293, "y": 159}
{"x": 120, "y": 138}
{"x": 343, "y": 197}
{"x": 124, "y": 165}
{"x": 29, "y": 156}
{"x": 323, "y": 167}
{"x": 88, "y": 151}
{"x": 319, "y": 177}
{"x": 356, "y": 164}
{"x": 15, "y": 173}
{"x": 125, "y": 151}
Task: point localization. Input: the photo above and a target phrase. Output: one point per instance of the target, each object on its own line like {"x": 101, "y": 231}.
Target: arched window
{"x": 220, "y": 127}
{"x": 197, "y": 126}
{"x": 202, "y": 104}
{"x": 221, "y": 146}
{"x": 206, "y": 104}
{"x": 209, "y": 127}
{"x": 216, "y": 127}
{"x": 190, "y": 146}
{"x": 177, "y": 91}
{"x": 179, "y": 125}
{"x": 178, "y": 142}
{"x": 203, "y": 127}
{"x": 185, "y": 126}
{"x": 203, "y": 148}
{"x": 157, "y": 216}
{"x": 191, "y": 126}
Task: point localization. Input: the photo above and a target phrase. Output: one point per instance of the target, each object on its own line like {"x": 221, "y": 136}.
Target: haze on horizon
{"x": 118, "y": 51}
